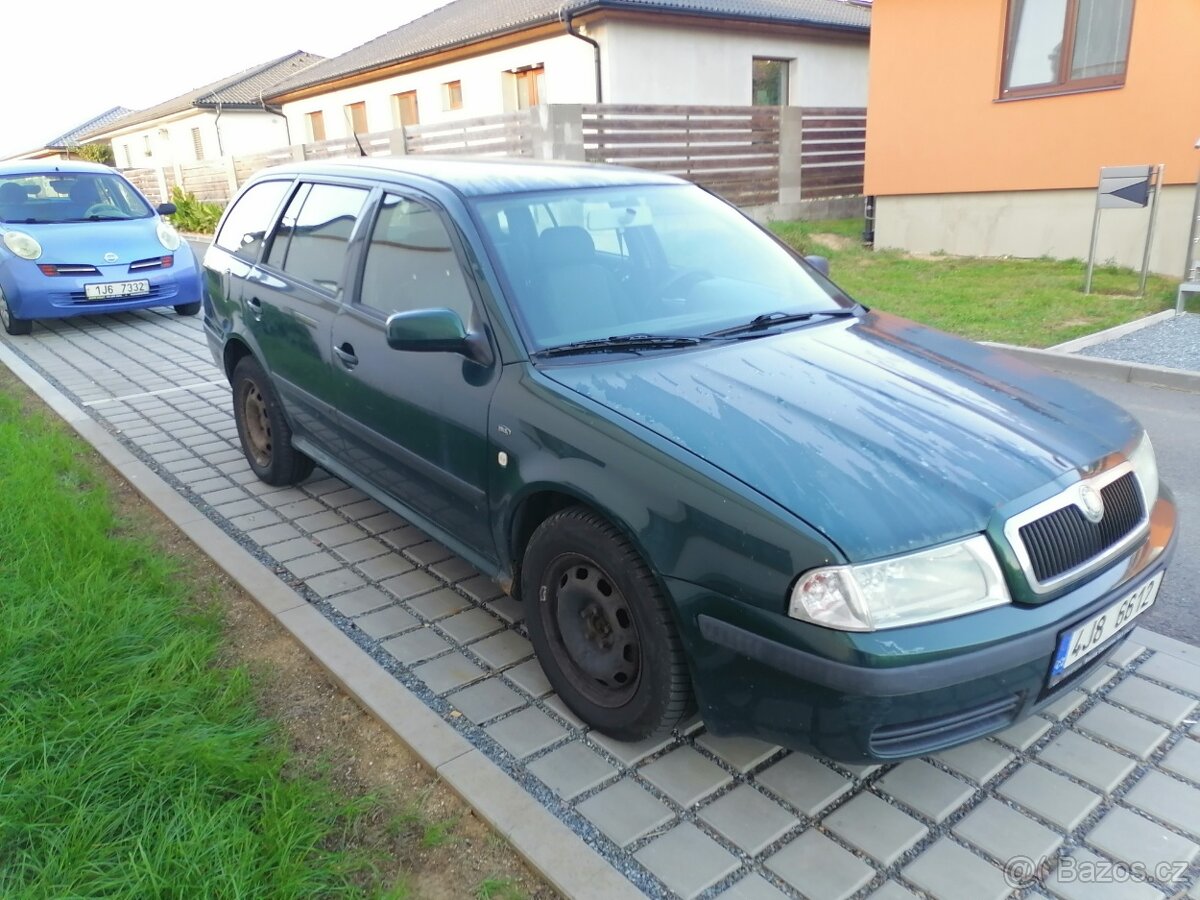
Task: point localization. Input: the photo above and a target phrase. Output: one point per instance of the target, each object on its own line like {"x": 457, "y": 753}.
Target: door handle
{"x": 256, "y": 308}
{"x": 346, "y": 354}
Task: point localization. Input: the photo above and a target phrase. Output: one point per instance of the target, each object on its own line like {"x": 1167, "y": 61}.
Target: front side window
{"x": 411, "y": 263}
{"x": 769, "y": 82}
{"x": 38, "y": 199}
{"x": 248, "y": 221}
{"x": 316, "y": 252}
{"x": 1056, "y": 46}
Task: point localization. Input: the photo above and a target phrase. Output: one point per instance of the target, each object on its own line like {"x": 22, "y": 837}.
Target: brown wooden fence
{"x": 732, "y": 150}
{"x": 833, "y": 151}
{"x": 506, "y": 134}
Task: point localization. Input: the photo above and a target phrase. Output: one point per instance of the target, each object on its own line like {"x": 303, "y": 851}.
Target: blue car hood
{"x": 882, "y": 434}
{"x": 87, "y": 242}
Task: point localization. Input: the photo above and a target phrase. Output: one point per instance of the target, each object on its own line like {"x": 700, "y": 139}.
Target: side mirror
{"x": 820, "y": 263}
{"x": 435, "y": 331}
{"x": 166, "y": 209}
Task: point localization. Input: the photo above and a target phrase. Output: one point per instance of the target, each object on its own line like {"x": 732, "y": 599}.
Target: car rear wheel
{"x": 13, "y": 325}
{"x": 188, "y": 309}
{"x": 265, "y": 433}
{"x": 602, "y": 628}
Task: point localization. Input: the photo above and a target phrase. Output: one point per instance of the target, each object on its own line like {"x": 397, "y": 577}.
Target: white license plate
{"x": 1074, "y": 645}
{"x": 116, "y": 290}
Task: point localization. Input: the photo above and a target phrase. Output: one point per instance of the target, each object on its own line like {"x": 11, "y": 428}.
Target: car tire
{"x": 188, "y": 309}
{"x": 13, "y": 325}
{"x": 263, "y": 429}
{"x": 602, "y": 628}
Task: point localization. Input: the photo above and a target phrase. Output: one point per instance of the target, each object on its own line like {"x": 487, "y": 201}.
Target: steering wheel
{"x": 102, "y": 209}
{"x": 679, "y": 285}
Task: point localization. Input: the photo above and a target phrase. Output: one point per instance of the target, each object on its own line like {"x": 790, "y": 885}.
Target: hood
{"x": 87, "y": 242}
{"x": 882, "y": 434}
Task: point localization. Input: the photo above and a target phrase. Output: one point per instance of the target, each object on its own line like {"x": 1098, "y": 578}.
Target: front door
{"x": 416, "y": 422}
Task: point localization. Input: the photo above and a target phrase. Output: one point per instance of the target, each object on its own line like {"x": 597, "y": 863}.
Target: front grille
{"x": 1065, "y": 539}
{"x": 928, "y": 735}
{"x": 154, "y": 262}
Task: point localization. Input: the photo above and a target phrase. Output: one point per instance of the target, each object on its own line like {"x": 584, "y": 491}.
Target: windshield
{"x": 56, "y": 197}
{"x": 649, "y": 260}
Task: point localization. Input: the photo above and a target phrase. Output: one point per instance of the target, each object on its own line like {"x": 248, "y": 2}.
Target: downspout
{"x": 287, "y": 126}
{"x": 217, "y": 125}
{"x": 566, "y": 16}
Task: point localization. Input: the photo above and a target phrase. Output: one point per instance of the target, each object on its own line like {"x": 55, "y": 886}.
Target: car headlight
{"x": 22, "y": 244}
{"x": 167, "y": 235}
{"x": 938, "y": 583}
{"x": 1145, "y": 467}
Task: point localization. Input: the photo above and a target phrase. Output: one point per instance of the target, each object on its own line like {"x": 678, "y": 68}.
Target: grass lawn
{"x": 1033, "y": 302}
{"x": 135, "y": 756}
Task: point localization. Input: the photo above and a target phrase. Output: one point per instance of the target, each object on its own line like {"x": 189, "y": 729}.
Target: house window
{"x": 769, "y": 82}
{"x": 197, "y": 143}
{"x": 404, "y": 109}
{"x": 1057, "y": 46}
{"x": 530, "y": 85}
{"x": 316, "y": 125}
{"x": 452, "y": 95}
{"x": 146, "y": 149}
{"x": 356, "y": 114}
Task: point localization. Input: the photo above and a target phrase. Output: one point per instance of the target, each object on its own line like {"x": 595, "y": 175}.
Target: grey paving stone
{"x": 291, "y": 549}
{"x": 391, "y": 620}
{"x": 502, "y": 649}
{"x": 1025, "y": 733}
{"x": 343, "y": 497}
{"x": 453, "y": 569}
{"x": 893, "y": 891}
{"x": 359, "y": 551}
{"x": 222, "y": 495}
{"x": 481, "y": 588}
{"x": 630, "y": 753}
{"x": 748, "y": 819}
{"x": 1122, "y": 729}
{"x": 949, "y": 872}
{"x": 427, "y": 553}
{"x": 927, "y": 790}
{"x": 1055, "y": 798}
{"x": 317, "y": 522}
{"x": 741, "y": 753}
{"x": 363, "y": 509}
{"x": 687, "y": 860}
{"x": 508, "y": 609}
{"x": 1004, "y": 833}
{"x": 277, "y": 497}
{"x": 313, "y": 564}
{"x": 802, "y": 781}
{"x": 337, "y": 582}
{"x": 530, "y": 678}
{"x": 1088, "y": 761}
{"x": 486, "y": 700}
{"x": 1172, "y": 671}
{"x": 470, "y": 625}
{"x": 1184, "y": 759}
{"x": 274, "y": 534}
{"x": 526, "y": 732}
{"x": 625, "y": 812}
{"x": 1126, "y": 836}
{"x": 1075, "y": 878}
{"x": 980, "y": 761}
{"x": 686, "y": 776}
{"x": 298, "y": 509}
{"x": 338, "y": 535}
{"x": 555, "y": 704}
{"x": 363, "y": 600}
{"x": 260, "y": 519}
{"x": 400, "y": 538}
{"x": 817, "y": 867}
{"x": 752, "y": 887}
{"x": 1152, "y": 700}
{"x": 414, "y": 646}
{"x": 411, "y": 583}
{"x": 1168, "y": 800}
{"x": 1097, "y": 678}
{"x": 448, "y": 672}
{"x": 876, "y": 827}
{"x": 572, "y": 769}
{"x": 380, "y": 568}
{"x": 1065, "y": 705}
{"x": 240, "y": 508}
{"x": 385, "y": 521}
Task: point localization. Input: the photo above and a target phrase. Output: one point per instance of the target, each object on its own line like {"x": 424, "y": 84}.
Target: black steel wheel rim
{"x": 257, "y": 424}
{"x": 592, "y": 631}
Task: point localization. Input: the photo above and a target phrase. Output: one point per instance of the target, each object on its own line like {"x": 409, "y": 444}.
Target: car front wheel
{"x": 602, "y": 629}
{"x": 13, "y": 325}
{"x": 265, "y": 433}
{"x": 188, "y": 309}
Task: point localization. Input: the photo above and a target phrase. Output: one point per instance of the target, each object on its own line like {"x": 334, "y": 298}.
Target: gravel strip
{"x": 1174, "y": 343}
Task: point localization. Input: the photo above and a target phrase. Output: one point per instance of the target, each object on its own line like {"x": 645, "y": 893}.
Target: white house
{"x": 68, "y": 142}
{"x": 479, "y": 57}
{"x": 227, "y": 117}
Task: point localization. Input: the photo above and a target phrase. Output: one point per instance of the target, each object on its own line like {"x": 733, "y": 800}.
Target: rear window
{"x": 246, "y": 225}
{"x": 57, "y": 197}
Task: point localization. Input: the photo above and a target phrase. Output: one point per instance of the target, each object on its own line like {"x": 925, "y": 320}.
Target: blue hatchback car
{"x": 76, "y": 239}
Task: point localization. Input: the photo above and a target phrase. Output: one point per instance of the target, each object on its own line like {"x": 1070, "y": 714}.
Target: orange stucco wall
{"x": 934, "y": 125}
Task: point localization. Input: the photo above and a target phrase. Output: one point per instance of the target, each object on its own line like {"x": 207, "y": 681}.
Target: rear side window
{"x": 250, "y": 219}
{"x": 319, "y": 233}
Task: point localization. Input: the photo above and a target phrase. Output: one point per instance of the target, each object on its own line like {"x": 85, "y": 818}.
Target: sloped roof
{"x": 239, "y": 91}
{"x": 465, "y": 21}
{"x": 71, "y": 138}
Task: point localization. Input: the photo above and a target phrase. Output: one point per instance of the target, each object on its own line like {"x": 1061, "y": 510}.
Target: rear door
{"x": 417, "y": 420}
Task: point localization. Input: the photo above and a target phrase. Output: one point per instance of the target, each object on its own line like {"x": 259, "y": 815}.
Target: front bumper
{"x": 902, "y": 692}
{"x": 32, "y": 295}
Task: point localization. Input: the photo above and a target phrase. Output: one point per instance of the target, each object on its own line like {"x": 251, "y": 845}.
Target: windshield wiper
{"x": 768, "y": 320}
{"x": 626, "y": 342}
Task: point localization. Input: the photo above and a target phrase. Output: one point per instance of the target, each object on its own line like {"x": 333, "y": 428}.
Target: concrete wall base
{"x": 808, "y": 210}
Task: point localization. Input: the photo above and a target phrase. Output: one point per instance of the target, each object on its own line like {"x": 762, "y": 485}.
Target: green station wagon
{"x": 713, "y": 479}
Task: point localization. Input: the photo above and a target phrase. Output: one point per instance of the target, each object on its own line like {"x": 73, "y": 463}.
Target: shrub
{"x": 99, "y": 152}
{"x": 194, "y": 215}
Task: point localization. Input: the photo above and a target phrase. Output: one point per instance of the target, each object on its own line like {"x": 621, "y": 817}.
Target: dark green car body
{"x": 733, "y": 468}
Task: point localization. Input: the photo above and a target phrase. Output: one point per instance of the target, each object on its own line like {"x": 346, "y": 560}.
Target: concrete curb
{"x": 1111, "y": 334}
{"x": 550, "y": 847}
{"x": 1116, "y": 370}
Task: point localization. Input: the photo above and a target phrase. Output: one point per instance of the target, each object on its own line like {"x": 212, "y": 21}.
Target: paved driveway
{"x": 1109, "y": 775}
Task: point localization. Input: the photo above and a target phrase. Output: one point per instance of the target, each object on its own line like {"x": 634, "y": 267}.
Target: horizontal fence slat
{"x": 833, "y": 111}
{"x": 852, "y": 157}
{"x": 648, "y": 109}
{"x": 679, "y": 136}
{"x": 475, "y": 122}
{"x": 748, "y": 150}
{"x": 810, "y": 124}
{"x": 815, "y": 135}
{"x": 674, "y": 126}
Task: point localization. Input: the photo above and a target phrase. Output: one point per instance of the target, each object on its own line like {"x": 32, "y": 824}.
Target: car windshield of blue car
{"x": 53, "y": 198}
{"x": 588, "y": 263}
